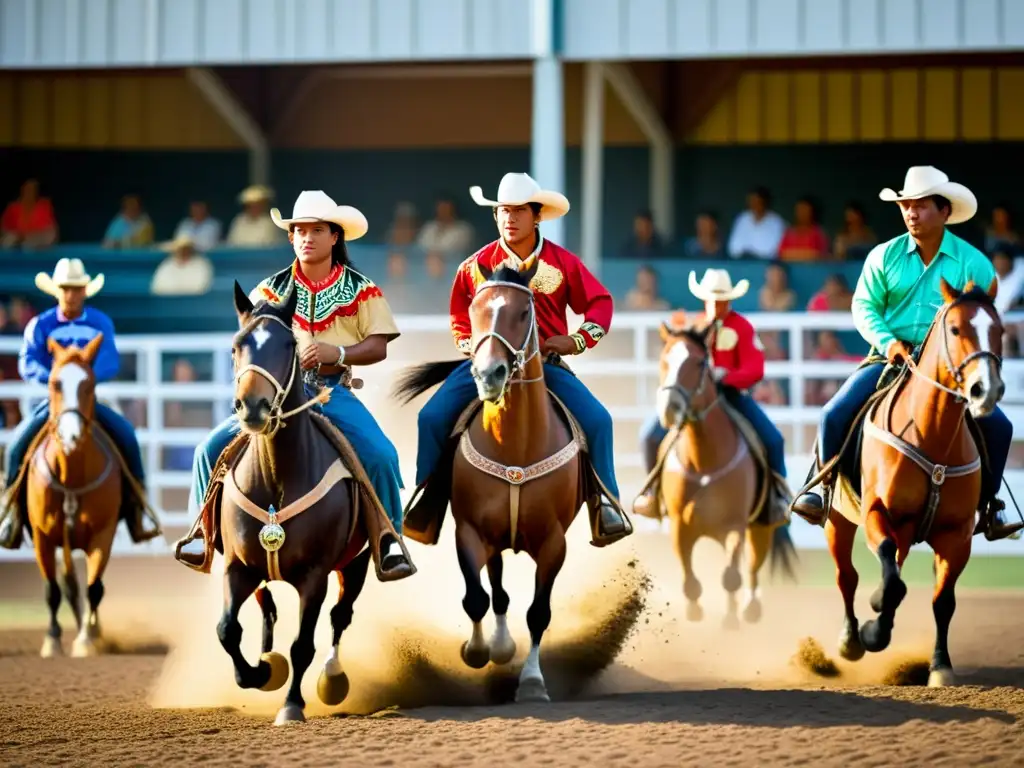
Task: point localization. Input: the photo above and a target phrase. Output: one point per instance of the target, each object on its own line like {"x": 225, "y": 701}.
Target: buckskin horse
{"x": 517, "y": 478}
{"x": 711, "y": 483}
{"x": 288, "y": 508}
{"x": 920, "y": 471}
{"x": 73, "y": 493}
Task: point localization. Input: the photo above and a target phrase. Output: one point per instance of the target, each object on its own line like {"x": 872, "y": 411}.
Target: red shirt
{"x": 562, "y": 281}
{"x": 812, "y": 239}
{"x": 39, "y": 219}
{"x": 737, "y": 348}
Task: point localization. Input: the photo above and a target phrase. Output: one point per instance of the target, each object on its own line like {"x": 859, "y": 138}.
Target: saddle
{"x": 366, "y": 504}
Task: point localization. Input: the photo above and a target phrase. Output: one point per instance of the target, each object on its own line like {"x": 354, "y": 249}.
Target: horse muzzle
{"x": 492, "y": 381}
{"x": 984, "y": 391}
{"x": 253, "y": 414}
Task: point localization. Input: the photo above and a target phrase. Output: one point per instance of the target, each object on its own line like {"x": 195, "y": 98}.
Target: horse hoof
{"x": 888, "y": 596}
{"x": 850, "y": 648}
{"x": 332, "y": 689}
{"x": 475, "y": 658}
{"x": 289, "y": 714}
{"x": 278, "y": 672}
{"x": 83, "y": 648}
{"x": 51, "y": 648}
{"x": 731, "y": 622}
{"x": 694, "y": 612}
{"x": 532, "y": 689}
{"x": 941, "y": 677}
{"x": 752, "y": 612}
{"x": 875, "y": 636}
{"x": 732, "y": 580}
{"x": 502, "y": 653}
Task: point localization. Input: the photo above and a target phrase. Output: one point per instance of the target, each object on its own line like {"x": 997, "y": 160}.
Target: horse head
{"x": 504, "y": 327}
{"x": 970, "y": 346}
{"x": 72, "y": 391}
{"x": 687, "y": 390}
{"x": 264, "y": 353}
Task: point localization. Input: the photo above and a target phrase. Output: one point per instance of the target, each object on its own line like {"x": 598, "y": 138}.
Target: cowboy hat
{"x": 317, "y": 206}
{"x": 254, "y": 194}
{"x": 179, "y": 242}
{"x": 926, "y": 180}
{"x": 520, "y": 189}
{"x": 716, "y": 285}
{"x": 69, "y": 273}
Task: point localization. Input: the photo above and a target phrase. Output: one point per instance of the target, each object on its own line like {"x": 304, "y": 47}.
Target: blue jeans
{"x": 437, "y": 420}
{"x": 117, "y": 426}
{"x": 839, "y": 413}
{"x": 652, "y": 433}
{"x": 376, "y": 453}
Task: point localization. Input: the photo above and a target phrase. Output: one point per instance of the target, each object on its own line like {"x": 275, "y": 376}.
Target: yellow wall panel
{"x": 940, "y": 113}
{"x": 872, "y": 106}
{"x": 904, "y": 105}
{"x": 749, "y": 108}
{"x": 717, "y": 126}
{"x": 976, "y": 104}
{"x": 165, "y": 108}
{"x": 97, "y": 123}
{"x": 67, "y": 111}
{"x": 8, "y": 133}
{"x": 839, "y": 110}
{"x": 127, "y": 107}
{"x": 807, "y": 107}
{"x": 1010, "y": 101}
{"x": 34, "y": 112}
{"x": 778, "y": 123}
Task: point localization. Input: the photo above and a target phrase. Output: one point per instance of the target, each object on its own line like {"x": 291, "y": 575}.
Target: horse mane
{"x": 692, "y": 331}
{"x": 507, "y": 273}
{"x": 976, "y": 293}
{"x": 419, "y": 378}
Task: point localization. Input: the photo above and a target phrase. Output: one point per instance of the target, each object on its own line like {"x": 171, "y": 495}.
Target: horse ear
{"x": 529, "y": 268}
{"x": 242, "y": 304}
{"x": 54, "y": 347}
{"x": 485, "y": 271}
{"x": 949, "y": 293}
{"x": 665, "y": 332}
{"x": 92, "y": 348}
{"x": 993, "y": 289}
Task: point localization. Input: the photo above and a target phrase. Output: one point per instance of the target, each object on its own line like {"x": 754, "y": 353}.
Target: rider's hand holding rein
{"x": 897, "y": 351}
{"x": 319, "y": 353}
{"x": 560, "y": 345}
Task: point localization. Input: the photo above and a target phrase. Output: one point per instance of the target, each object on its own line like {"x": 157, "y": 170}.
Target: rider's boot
{"x": 136, "y": 519}
{"x": 610, "y": 525}
{"x": 810, "y": 505}
{"x": 992, "y": 524}
{"x": 393, "y": 562}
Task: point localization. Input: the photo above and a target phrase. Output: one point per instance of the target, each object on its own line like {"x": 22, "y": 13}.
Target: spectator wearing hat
{"x": 184, "y": 272}
{"x": 252, "y": 228}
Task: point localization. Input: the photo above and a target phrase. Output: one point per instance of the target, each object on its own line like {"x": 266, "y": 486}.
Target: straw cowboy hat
{"x": 69, "y": 273}
{"x": 179, "y": 242}
{"x": 926, "y": 180}
{"x": 317, "y": 206}
{"x": 520, "y": 189}
{"x": 255, "y": 194}
{"x": 716, "y": 285}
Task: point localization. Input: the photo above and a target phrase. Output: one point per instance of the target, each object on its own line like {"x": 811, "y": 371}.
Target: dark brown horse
{"x": 73, "y": 493}
{"x": 285, "y": 513}
{"x": 921, "y": 473}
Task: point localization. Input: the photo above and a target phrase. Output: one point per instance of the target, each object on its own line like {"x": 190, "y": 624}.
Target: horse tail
{"x": 419, "y": 378}
{"x": 783, "y": 554}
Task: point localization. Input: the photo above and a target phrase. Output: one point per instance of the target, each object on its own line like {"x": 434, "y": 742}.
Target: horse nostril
{"x": 977, "y": 391}
{"x": 237, "y": 404}
{"x": 500, "y": 371}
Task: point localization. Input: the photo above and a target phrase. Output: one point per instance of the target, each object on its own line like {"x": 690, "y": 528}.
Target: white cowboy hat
{"x": 317, "y": 206}
{"x": 179, "y": 242}
{"x": 255, "y": 193}
{"x": 716, "y": 285}
{"x": 69, "y": 273}
{"x": 520, "y": 189}
{"x": 926, "y": 180}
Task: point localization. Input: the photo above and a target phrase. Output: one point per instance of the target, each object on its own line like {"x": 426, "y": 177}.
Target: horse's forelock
{"x": 506, "y": 273}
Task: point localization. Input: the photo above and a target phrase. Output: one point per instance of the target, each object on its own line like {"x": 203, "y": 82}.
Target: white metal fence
{"x": 622, "y": 371}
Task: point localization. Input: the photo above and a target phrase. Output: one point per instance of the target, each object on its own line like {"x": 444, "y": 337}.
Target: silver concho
{"x": 272, "y": 534}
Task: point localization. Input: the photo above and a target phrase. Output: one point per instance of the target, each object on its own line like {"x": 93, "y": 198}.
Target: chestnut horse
{"x": 907, "y": 495}
{"x": 708, "y": 478}
{"x": 517, "y": 478}
{"x": 73, "y": 493}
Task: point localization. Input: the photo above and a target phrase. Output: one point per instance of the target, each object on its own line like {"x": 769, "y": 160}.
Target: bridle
{"x": 519, "y": 354}
{"x": 54, "y": 419}
{"x": 690, "y": 416}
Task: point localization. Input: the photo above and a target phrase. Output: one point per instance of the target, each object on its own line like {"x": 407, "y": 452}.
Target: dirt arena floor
{"x": 632, "y": 682}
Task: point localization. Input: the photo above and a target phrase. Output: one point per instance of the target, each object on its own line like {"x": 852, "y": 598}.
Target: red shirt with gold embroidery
{"x": 561, "y": 281}
{"x": 738, "y": 349}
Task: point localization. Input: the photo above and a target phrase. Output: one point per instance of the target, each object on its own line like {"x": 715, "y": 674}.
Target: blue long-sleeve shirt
{"x": 35, "y": 360}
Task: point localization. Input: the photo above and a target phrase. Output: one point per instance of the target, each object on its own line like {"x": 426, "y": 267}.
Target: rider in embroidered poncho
{"x": 341, "y": 319}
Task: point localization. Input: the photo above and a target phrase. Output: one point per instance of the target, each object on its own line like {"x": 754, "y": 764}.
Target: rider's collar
{"x": 61, "y": 317}
{"x": 317, "y": 285}
{"x": 947, "y": 247}
{"x": 514, "y": 256}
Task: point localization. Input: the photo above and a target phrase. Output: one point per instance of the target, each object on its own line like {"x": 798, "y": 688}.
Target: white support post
{"x": 227, "y": 106}
{"x": 633, "y": 98}
{"x": 547, "y": 135}
{"x": 593, "y": 165}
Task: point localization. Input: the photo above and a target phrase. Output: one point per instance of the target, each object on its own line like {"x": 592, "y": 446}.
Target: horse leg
{"x": 72, "y": 592}
{"x": 332, "y": 685}
{"x": 952, "y": 551}
{"x": 732, "y": 579}
{"x": 97, "y": 557}
{"x": 876, "y": 634}
{"x": 503, "y": 647}
{"x": 47, "y": 561}
{"x": 840, "y": 534}
{"x": 265, "y": 600}
{"x": 684, "y": 538}
{"x": 272, "y": 670}
{"x": 549, "y": 562}
{"x": 475, "y": 652}
{"x": 759, "y": 544}
{"x": 311, "y": 599}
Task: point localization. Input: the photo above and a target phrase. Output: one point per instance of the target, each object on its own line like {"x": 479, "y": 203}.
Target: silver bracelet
{"x": 341, "y": 355}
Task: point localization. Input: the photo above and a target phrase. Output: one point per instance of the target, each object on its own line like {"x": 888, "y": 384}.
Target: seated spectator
{"x": 644, "y": 296}
{"x": 644, "y": 243}
{"x": 201, "y": 228}
{"x": 804, "y": 240}
{"x": 29, "y": 221}
{"x": 21, "y": 313}
{"x": 856, "y": 238}
{"x": 776, "y": 295}
{"x": 835, "y": 296}
{"x": 827, "y": 347}
{"x": 769, "y": 392}
{"x": 1010, "y": 274}
{"x": 131, "y": 228}
{"x": 707, "y": 243}
{"x": 184, "y": 272}
{"x": 1000, "y": 235}
{"x": 446, "y": 235}
{"x": 403, "y": 229}
{"x": 757, "y": 231}
{"x": 253, "y": 228}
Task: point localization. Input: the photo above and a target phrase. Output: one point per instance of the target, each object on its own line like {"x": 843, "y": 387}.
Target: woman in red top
{"x": 29, "y": 220}
{"x": 805, "y": 240}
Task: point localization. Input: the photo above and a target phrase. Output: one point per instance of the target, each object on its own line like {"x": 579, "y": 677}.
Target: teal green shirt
{"x": 897, "y": 296}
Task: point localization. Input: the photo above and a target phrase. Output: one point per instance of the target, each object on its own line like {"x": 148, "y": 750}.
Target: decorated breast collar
{"x": 320, "y": 303}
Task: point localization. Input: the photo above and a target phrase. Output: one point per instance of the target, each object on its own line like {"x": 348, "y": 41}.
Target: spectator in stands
{"x": 200, "y": 227}
{"x": 835, "y": 296}
{"x": 707, "y": 243}
{"x": 757, "y": 231}
{"x": 804, "y": 240}
{"x": 184, "y": 272}
{"x": 644, "y": 296}
{"x": 1000, "y": 235}
{"x": 29, "y": 221}
{"x": 826, "y": 347}
{"x": 769, "y": 392}
{"x": 446, "y": 235}
{"x": 252, "y": 228}
{"x": 644, "y": 243}
{"x": 21, "y": 313}
{"x": 855, "y": 239}
{"x": 776, "y": 295}
{"x": 1010, "y": 274}
{"x": 131, "y": 228}
{"x": 404, "y": 226}
{"x": 7, "y": 326}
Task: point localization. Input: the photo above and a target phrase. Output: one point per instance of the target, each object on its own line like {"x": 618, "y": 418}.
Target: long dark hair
{"x": 339, "y": 251}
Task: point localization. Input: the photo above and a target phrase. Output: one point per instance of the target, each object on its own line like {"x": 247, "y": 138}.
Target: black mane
{"x": 506, "y": 273}
{"x": 978, "y": 294}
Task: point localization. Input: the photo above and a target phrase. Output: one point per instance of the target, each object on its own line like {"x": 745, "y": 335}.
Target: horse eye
{"x": 955, "y": 330}
{"x": 526, "y": 314}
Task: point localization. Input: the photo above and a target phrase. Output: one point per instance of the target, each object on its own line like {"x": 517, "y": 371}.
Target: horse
{"x": 709, "y": 480}
{"x": 284, "y": 512}
{"x": 517, "y": 480}
{"x": 73, "y": 494}
{"x": 918, "y": 419}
